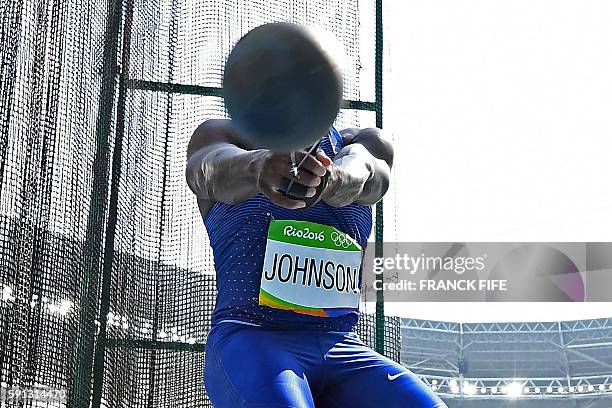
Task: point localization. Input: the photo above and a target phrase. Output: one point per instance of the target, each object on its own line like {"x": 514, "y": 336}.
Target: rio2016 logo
{"x": 305, "y": 233}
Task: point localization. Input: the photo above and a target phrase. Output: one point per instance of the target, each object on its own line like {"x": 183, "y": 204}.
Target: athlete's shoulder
{"x": 213, "y": 131}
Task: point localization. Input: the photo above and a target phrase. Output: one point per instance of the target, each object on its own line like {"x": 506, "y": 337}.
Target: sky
{"x": 500, "y": 116}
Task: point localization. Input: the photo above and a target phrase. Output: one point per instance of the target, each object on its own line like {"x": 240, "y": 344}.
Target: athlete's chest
{"x": 252, "y": 218}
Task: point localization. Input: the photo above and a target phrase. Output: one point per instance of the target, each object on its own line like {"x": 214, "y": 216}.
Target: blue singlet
{"x": 238, "y": 235}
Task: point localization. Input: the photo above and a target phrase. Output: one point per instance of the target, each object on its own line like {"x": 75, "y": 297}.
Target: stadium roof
{"x": 565, "y": 363}
{"x": 466, "y": 312}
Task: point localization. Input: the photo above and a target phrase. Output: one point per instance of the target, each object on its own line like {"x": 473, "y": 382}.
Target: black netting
{"x": 50, "y": 86}
{"x": 366, "y": 328}
{"x": 101, "y": 244}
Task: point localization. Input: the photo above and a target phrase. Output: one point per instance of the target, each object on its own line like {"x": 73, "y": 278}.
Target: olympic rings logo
{"x": 340, "y": 240}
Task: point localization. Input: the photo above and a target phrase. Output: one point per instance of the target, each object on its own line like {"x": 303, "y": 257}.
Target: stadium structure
{"x": 491, "y": 365}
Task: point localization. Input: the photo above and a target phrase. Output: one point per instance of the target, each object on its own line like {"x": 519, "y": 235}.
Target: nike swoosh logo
{"x": 393, "y": 377}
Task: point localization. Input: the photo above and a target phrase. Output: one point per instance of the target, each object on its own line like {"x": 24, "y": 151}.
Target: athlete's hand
{"x": 274, "y": 176}
{"x": 348, "y": 175}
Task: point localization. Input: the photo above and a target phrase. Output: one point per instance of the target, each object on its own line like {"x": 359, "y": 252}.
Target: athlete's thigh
{"x": 251, "y": 367}
{"x": 363, "y": 378}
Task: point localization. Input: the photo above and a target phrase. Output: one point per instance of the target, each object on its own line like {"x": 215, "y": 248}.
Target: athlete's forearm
{"x": 224, "y": 172}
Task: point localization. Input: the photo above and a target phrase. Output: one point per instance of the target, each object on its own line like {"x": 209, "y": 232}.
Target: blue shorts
{"x": 249, "y": 366}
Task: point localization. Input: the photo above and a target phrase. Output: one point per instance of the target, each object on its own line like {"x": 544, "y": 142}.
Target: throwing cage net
{"x": 106, "y": 275}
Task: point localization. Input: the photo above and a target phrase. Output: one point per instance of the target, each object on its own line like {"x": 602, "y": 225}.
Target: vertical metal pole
{"x": 378, "y": 252}
{"x": 109, "y": 244}
{"x": 564, "y": 356}
{"x": 80, "y": 389}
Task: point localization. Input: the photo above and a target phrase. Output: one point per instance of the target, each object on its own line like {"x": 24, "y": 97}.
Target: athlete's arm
{"x": 220, "y": 167}
{"x": 361, "y": 170}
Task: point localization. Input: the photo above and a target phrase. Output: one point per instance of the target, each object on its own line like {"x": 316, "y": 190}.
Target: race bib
{"x": 310, "y": 268}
